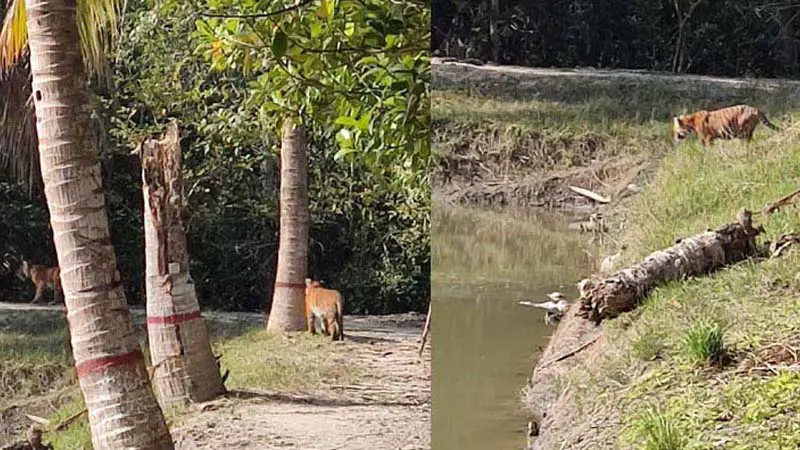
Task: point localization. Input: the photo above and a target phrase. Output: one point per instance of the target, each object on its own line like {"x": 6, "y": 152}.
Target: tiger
{"x": 43, "y": 277}
{"x": 327, "y": 305}
{"x": 733, "y": 122}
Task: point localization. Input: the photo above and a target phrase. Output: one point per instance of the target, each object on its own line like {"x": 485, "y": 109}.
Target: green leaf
{"x": 363, "y": 123}
{"x": 279, "y": 44}
{"x": 322, "y": 11}
{"x": 346, "y": 121}
{"x": 349, "y": 29}
{"x": 316, "y": 30}
{"x": 344, "y": 137}
{"x": 343, "y": 152}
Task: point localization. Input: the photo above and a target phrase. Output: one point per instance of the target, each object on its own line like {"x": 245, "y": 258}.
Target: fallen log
{"x": 708, "y": 251}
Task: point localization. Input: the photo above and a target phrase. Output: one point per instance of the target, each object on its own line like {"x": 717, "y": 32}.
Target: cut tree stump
{"x": 183, "y": 369}
{"x": 623, "y": 290}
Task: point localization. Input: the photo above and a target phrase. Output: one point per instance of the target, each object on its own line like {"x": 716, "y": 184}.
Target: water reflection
{"x": 484, "y": 344}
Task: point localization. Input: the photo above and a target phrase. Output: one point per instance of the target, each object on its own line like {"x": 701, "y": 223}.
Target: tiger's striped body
{"x": 327, "y": 305}
{"x": 44, "y": 278}
{"x": 733, "y": 122}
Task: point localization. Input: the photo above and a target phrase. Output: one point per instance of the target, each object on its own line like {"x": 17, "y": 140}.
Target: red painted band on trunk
{"x": 173, "y": 319}
{"x": 93, "y": 365}
{"x": 281, "y": 284}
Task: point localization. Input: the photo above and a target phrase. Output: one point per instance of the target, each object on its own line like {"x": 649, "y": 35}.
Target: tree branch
{"x": 277, "y": 12}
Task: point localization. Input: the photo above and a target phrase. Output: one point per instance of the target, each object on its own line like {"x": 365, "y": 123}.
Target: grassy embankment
{"x": 668, "y": 372}
{"x": 668, "y": 378}
{"x": 514, "y": 138}
{"x": 704, "y": 363}
{"x": 37, "y": 376}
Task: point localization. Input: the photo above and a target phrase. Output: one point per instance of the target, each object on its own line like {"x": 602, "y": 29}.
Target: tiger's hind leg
{"x": 329, "y": 327}
{"x": 39, "y": 293}
{"x": 58, "y": 293}
{"x": 332, "y": 326}
{"x": 340, "y": 321}
{"x": 310, "y": 323}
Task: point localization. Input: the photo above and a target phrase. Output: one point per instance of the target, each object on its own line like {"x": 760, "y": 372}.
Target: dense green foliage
{"x": 734, "y": 37}
{"x": 370, "y": 216}
{"x": 356, "y": 68}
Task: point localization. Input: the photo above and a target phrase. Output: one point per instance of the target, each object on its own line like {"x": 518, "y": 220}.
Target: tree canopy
{"x": 731, "y": 37}
{"x": 358, "y": 69}
{"x": 368, "y": 199}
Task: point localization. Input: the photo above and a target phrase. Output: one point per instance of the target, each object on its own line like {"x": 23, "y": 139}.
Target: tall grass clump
{"x": 705, "y": 342}
{"x": 658, "y": 432}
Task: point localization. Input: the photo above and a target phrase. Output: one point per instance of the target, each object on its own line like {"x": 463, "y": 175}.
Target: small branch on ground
{"x": 589, "y": 194}
{"x": 784, "y": 241}
{"x": 567, "y": 354}
{"x": 37, "y": 419}
{"x": 69, "y": 420}
{"x": 426, "y": 329}
{"x": 770, "y": 208}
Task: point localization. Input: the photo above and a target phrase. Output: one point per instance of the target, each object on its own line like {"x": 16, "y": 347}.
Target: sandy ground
{"x": 389, "y": 408}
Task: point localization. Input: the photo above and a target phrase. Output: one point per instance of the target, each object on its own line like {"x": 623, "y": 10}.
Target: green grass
{"x": 34, "y": 354}
{"x": 704, "y": 342}
{"x": 658, "y": 432}
{"x": 300, "y": 362}
{"x": 36, "y": 361}
{"x": 759, "y": 302}
{"x": 76, "y": 436}
{"x": 517, "y": 123}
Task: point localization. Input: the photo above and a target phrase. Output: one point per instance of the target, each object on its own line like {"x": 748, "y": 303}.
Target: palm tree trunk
{"x": 123, "y": 412}
{"x": 184, "y": 368}
{"x": 289, "y": 297}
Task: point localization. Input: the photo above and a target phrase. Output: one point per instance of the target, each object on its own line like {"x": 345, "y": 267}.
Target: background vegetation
{"x": 731, "y": 37}
{"x": 369, "y": 205}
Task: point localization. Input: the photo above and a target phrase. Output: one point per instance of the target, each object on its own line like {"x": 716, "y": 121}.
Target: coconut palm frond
{"x": 19, "y": 156}
{"x": 98, "y": 26}
{"x": 14, "y": 35}
{"x": 99, "y": 29}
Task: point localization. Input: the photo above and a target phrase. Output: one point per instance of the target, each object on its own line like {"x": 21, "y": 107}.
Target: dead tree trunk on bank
{"x": 621, "y": 292}
{"x": 184, "y": 368}
{"x": 288, "y": 300}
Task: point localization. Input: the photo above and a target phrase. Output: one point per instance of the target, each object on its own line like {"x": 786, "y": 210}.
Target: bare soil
{"x": 388, "y": 408}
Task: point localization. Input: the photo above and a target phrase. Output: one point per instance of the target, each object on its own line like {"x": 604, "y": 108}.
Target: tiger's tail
{"x": 339, "y": 318}
{"x": 766, "y": 122}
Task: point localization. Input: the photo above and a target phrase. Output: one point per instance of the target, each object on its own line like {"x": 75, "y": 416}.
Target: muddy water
{"x": 484, "y": 344}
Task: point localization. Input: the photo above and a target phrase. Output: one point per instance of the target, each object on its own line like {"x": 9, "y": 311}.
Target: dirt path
{"x": 615, "y": 74}
{"x": 388, "y": 408}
